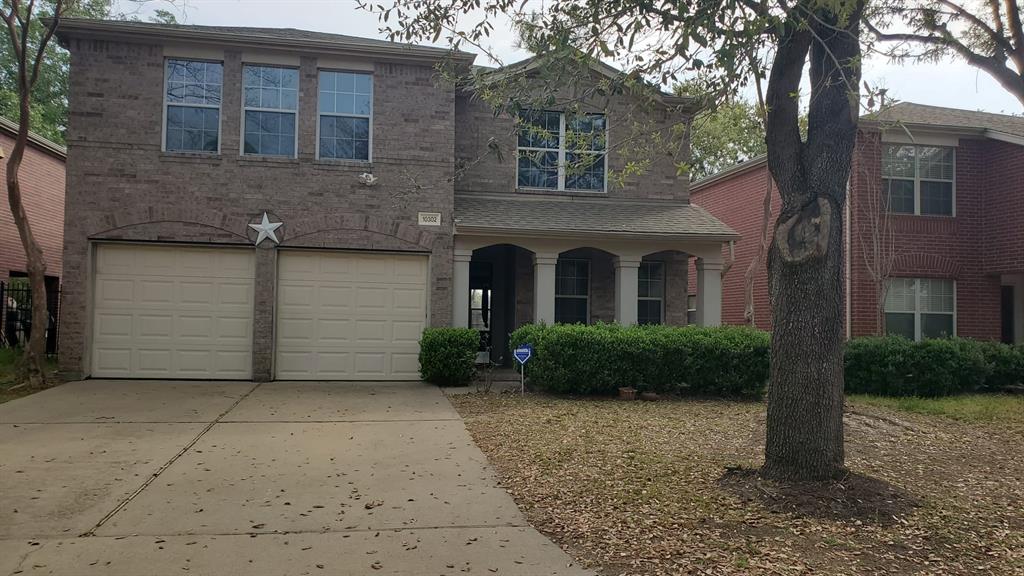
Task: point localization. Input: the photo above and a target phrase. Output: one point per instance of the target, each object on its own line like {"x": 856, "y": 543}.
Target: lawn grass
{"x": 636, "y": 488}
{"x": 1005, "y": 408}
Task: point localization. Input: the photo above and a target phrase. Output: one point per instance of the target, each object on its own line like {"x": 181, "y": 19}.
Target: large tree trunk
{"x": 804, "y": 438}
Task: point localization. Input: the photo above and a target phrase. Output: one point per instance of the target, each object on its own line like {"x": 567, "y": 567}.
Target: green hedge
{"x": 448, "y": 355}
{"x": 599, "y": 359}
{"x": 734, "y": 361}
{"x": 895, "y": 366}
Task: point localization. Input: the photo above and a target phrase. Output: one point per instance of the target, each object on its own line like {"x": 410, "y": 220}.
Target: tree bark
{"x": 804, "y": 434}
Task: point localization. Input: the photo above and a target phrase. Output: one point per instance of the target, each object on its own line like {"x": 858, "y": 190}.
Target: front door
{"x": 481, "y": 280}
{"x": 1006, "y": 314}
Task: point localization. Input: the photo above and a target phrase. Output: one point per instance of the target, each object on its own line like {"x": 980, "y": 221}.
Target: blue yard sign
{"x": 523, "y": 353}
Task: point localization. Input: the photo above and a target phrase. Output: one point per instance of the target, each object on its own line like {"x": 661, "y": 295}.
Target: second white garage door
{"x": 350, "y": 316}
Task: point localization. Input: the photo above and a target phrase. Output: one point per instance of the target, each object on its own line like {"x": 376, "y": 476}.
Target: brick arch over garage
{"x": 167, "y": 222}
{"x": 357, "y": 231}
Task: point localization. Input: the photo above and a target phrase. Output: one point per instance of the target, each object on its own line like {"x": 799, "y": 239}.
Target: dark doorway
{"x": 492, "y": 298}
{"x": 1006, "y": 314}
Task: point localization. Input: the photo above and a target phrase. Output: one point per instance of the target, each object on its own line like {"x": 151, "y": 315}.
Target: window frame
{"x": 369, "y": 117}
{"x": 691, "y": 299}
{"x": 660, "y": 299}
{"x": 298, "y": 106}
{"x": 563, "y": 152}
{"x": 219, "y": 108}
{"x": 589, "y": 287}
{"x": 917, "y": 180}
{"x": 917, "y": 305}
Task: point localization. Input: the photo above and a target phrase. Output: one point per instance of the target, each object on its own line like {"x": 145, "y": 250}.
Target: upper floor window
{"x": 651, "y": 293}
{"x": 920, "y": 308}
{"x": 559, "y": 151}
{"x": 346, "y": 110}
{"x": 192, "y": 96}
{"x": 572, "y": 291}
{"x": 271, "y": 100}
{"x": 919, "y": 179}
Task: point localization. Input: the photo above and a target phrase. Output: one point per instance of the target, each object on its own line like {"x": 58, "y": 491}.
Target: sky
{"x": 953, "y": 84}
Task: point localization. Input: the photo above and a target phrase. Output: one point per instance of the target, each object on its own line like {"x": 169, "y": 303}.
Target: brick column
{"x": 264, "y": 300}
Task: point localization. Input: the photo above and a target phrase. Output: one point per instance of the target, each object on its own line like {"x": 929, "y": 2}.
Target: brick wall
{"x": 738, "y": 200}
{"x": 983, "y": 240}
{"x": 42, "y": 188}
{"x": 122, "y": 187}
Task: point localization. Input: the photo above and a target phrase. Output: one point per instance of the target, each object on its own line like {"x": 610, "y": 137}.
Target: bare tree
{"x": 987, "y": 34}
{"x": 20, "y": 17}
{"x": 872, "y": 227}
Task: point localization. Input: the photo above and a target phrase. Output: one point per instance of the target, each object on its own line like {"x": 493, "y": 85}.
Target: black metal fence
{"x": 16, "y": 315}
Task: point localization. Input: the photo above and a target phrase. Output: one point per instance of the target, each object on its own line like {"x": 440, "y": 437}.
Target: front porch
{"x": 543, "y": 259}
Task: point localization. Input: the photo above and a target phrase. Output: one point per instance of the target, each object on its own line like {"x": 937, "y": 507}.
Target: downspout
{"x": 846, "y": 262}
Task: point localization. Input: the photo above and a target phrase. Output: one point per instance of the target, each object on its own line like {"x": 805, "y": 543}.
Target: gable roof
{"x": 280, "y": 38}
{"x": 10, "y": 128}
{"x": 688, "y": 103}
{"x": 910, "y": 113}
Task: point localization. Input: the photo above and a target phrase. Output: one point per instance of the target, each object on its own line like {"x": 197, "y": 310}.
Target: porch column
{"x": 544, "y": 288}
{"x": 626, "y": 289}
{"x": 709, "y": 292}
{"x": 460, "y": 287}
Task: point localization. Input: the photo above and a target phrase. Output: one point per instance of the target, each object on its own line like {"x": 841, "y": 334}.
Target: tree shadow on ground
{"x": 854, "y": 497}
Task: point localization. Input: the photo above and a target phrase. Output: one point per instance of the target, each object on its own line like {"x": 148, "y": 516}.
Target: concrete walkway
{"x": 222, "y": 478}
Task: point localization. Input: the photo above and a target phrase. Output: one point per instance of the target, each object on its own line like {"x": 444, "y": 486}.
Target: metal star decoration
{"x": 266, "y": 230}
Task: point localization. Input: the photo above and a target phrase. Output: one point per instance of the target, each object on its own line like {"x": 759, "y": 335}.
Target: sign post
{"x": 522, "y": 354}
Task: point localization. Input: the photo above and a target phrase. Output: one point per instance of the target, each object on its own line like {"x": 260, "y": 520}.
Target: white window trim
{"x": 298, "y": 106}
{"x": 589, "y": 279}
{"x": 691, "y": 310}
{"x": 663, "y": 285}
{"x": 562, "y": 154}
{"x": 369, "y": 143}
{"x": 917, "y": 306}
{"x": 219, "y": 108}
{"x": 917, "y": 180}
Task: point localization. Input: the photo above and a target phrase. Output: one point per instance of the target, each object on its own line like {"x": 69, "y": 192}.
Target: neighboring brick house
{"x": 42, "y": 186}
{"x": 275, "y": 203}
{"x": 955, "y": 263}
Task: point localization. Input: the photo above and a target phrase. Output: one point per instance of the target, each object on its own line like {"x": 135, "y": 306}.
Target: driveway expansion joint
{"x": 152, "y": 477}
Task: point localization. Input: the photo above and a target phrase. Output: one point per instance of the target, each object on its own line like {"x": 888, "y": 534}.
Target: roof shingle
{"x": 587, "y": 216}
{"x": 923, "y": 114}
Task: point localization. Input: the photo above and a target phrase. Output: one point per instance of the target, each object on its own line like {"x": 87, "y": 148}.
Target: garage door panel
{"x": 334, "y": 331}
{"x": 159, "y": 320}
{"x": 407, "y": 364}
{"x": 367, "y": 312}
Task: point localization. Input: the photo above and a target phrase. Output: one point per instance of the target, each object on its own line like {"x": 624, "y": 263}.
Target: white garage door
{"x": 350, "y": 316}
{"x": 172, "y": 312}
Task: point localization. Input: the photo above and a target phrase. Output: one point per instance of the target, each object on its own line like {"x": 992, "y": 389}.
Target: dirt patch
{"x": 855, "y": 497}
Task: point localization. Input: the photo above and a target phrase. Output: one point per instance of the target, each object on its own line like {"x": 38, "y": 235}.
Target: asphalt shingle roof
{"x": 582, "y": 215}
{"x": 911, "y": 113}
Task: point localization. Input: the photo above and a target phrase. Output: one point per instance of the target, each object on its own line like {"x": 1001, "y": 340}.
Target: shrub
{"x": 599, "y": 359}
{"x": 895, "y": 366}
{"x": 1006, "y": 365}
{"x": 448, "y": 355}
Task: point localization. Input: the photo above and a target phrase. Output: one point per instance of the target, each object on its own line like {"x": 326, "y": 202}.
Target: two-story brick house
{"x": 935, "y": 211}
{"x": 271, "y": 203}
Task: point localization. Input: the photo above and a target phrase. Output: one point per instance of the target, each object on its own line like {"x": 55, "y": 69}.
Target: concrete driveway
{"x": 147, "y": 477}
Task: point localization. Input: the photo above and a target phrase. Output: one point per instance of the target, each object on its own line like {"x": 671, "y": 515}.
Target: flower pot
{"x": 650, "y": 396}
{"x": 627, "y": 393}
